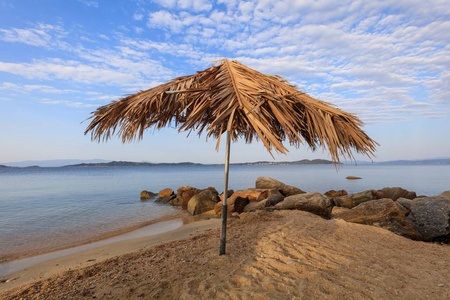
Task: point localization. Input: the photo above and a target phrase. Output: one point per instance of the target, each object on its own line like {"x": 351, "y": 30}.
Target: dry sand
{"x": 270, "y": 255}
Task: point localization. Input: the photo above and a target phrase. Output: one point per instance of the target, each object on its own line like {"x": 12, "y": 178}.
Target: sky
{"x": 388, "y": 62}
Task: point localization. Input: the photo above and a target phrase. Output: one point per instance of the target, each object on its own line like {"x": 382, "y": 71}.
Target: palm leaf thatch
{"x": 235, "y": 98}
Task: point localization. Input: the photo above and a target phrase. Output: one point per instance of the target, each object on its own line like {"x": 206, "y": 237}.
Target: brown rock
{"x": 353, "y": 177}
{"x": 235, "y": 204}
{"x": 315, "y": 203}
{"x": 270, "y": 183}
{"x": 397, "y": 192}
{"x": 352, "y": 200}
{"x": 184, "y": 194}
{"x": 229, "y": 193}
{"x": 406, "y": 204}
{"x": 255, "y": 194}
{"x": 202, "y": 202}
{"x": 274, "y": 199}
{"x": 337, "y": 210}
{"x": 382, "y": 213}
{"x": 334, "y": 194}
{"x": 147, "y": 195}
{"x": 165, "y": 199}
{"x": 165, "y": 193}
{"x": 254, "y": 206}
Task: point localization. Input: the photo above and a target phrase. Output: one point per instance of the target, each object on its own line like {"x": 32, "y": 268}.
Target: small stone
{"x": 440, "y": 285}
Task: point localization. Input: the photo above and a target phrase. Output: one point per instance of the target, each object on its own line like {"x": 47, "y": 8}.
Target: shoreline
{"x": 17, "y": 256}
{"x": 100, "y": 251}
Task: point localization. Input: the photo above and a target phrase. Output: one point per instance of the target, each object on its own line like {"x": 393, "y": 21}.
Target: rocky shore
{"x": 398, "y": 210}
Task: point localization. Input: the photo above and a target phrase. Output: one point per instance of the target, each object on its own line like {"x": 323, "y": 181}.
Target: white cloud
{"x": 90, "y": 3}
{"x": 138, "y": 17}
{"x": 28, "y": 88}
{"x": 194, "y": 5}
{"x": 42, "y": 35}
{"x": 67, "y": 70}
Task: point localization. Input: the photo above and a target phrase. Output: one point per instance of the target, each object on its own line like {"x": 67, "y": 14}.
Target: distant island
{"x": 130, "y": 164}
{"x": 147, "y": 164}
{"x": 298, "y": 162}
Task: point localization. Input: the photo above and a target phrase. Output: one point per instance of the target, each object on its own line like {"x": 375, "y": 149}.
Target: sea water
{"x": 47, "y": 208}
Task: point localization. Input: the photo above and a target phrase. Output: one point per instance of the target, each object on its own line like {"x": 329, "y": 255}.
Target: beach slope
{"x": 270, "y": 255}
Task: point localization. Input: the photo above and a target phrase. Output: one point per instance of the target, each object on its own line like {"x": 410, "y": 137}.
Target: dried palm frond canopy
{"x": 231, "y": 97}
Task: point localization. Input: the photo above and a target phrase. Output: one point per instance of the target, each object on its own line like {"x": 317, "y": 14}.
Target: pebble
{"x": 440, "y": 285}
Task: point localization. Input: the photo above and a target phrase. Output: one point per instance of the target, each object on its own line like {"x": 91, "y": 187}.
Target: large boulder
{"x": 145, "y": 195}
{"x": 270, "y": 183}
{"x": 235, "y": 204}
{"x": 202, "y": 202}
{"x": 274, "y": 199}
{"x": 229, "y": 193}
{"x": 255, "y": 194}
{"x": 352, "y": 200}
{"x": 431, "y": 216}
{"x": 382, "y": 213}
{"x": 165, "y": 195}
{"x": 184, "y": 194}
{"x": 254, "y": 206}
{"x": 397, "y": 192}
{"x": 334, "y": 194}
{"x": 315, "y": 203}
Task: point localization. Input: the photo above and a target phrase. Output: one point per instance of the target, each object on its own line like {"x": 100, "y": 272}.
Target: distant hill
{"x": 52, "y": 163}
{"x": 3, "y": 166}
{"x": 298, "y": 162}
{"x": 129, "y": 164}
{"x": 437, "y": 161}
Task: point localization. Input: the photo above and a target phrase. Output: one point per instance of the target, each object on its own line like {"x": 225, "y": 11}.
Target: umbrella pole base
{"x": 223, "y": 235}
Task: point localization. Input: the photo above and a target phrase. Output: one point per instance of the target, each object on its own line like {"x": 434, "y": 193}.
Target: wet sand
{"x": 35, "y": 250}
{"x": 86, "y": 255}
{"x": 270, "y": 255}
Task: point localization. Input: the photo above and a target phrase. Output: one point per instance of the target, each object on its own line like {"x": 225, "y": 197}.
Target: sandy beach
{"x": 270, "y": 255}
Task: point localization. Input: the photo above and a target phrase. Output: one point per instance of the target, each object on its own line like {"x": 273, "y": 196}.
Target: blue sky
{"x": 388, "y": 62}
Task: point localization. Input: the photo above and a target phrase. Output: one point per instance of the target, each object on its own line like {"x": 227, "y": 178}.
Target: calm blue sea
{"x": 47, "y": 208}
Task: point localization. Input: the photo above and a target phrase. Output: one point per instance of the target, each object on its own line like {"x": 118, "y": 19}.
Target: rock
{"x": 202, "y": 202}
{"x": 165, "y": 193}
{"x": 254, "y": 206}
{"x": 353, "y": 177}
{"x": 147, "y": 195}
{"x": 235, "y": 204}
{"x": 445, "y": 194}
{"x": 270, "y": 183}
{"x": 334, "y": 194}
{"x": 275, "y": 199}
{"x": 184, "y": 194}
{"x": 403, "y": 209}
{"x": 255, "y": 194}
{"x": 405, "y": 203}
{"x": 165, "y": 199}
{"x": 337, "y": 210}
{"x": 315, "y": 203}
{"x": 352, "y": 200}
{"x": 397, "y": 192}
{"x": 431, "y": 216}
{"x": 229, "y": 193}
{"x": 382, "y": 213}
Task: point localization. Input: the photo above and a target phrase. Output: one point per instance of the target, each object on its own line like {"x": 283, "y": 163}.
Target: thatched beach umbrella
{"x": 242, "y": 102}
